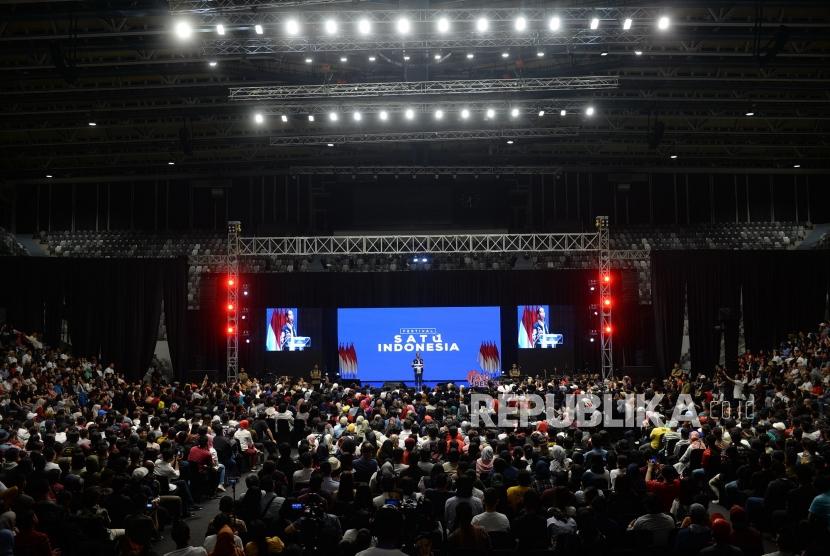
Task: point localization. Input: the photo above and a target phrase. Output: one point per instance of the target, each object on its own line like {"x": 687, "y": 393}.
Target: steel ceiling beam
{"x": 417, "y": 136}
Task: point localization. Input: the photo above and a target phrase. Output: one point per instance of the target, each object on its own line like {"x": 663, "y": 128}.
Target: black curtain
{"x": 668, "y": 291}
{"x": 175, "y": 313}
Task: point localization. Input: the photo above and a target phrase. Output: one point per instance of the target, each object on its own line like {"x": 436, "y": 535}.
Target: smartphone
{"x": 392, "y": 502}
{"x": 297, "y": 506}
{"x": 653, "y": 460}
{"x": 149, "y": 505}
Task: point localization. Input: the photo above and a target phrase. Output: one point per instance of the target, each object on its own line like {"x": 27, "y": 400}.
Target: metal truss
{"x": 232, "y": 310}
{"x": 410, "y": 88}
{"x": 451, "y": 105}
{"x": 605, "y": 300}
{"x": 423, "y": 170}
{"x": 411, "y": 244}
{"x": 412, "y": 136}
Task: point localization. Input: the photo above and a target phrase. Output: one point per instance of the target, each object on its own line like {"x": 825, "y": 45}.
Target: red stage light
{"x": 230, "y": 330}
{"x": 607, "y": 329}
{"x": 230, "y": 306}
{"x": 607, "y": 302}
{"x": 606, "y": 278}
{"x": 231, "y": 282}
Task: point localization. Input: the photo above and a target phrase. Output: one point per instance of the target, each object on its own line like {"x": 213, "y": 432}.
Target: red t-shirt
{"x": 666, "y": 492}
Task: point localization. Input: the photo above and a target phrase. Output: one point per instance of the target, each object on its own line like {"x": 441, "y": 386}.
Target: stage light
{"x": 465, "y": 114}
{"x": 230, "y": 306}
{"x": 594, "y": 23}
{"x": 406, "y": 58}
{"x": 627, "y": 23}
{"x": 220, "y": 30}
{"x": 589, "y": 111}
{"x": 357, "y": 116}
{"x": 520, "y": 24}
{"x": 663, "y": 23}
{"x": 415, "y": 260}
{"x": 563, "y": 112}
{"x": 443, "y": 25}
{"x": 606, "y": 302}
{"x": 437, "y": 57}
{"x": 230, "y": 330}
{"x": 555, "y": 23}
{"x": 796, "y": 165}
{"x": 231, "y": 282}
{"x": 333, "y": 116}
{"x": 638, "y": 52}
{"x": 750, "y": 113}
{"x": 592, "y": 288}
{"x": 247, "y": 340}
{"x": 505, "y": 54}
{"x": 311, "y": 117}
{"x": 482, "y": 24}
{"x": 674, "y": 156}
{"x": 329, "y": 144}
{"x": 92, "y": 124}
{"x": 171, "y": 163}
{"x": 344, "y": 59}
{"x": 540, "y": 54}
{"x": 292, "y": 27}
{"x": 470, "y": 56}
{"x": 490, "y": 114}
{"x": 510, "y": 141}
{"x": 606, "y": 279}
{"x": 183, "y": 30}
{"x": 541, "y": 113}
{"x": 364, "y": 27}
{"x": 258, "y": 29}
{"x": 259, "y": 118}
{"x": 591, "y": 340}
{"x": 372, "y": 58}
{"x": 439, "y": 114}
{"x": 308, "y": 60}
{"x": 409, "y": 114}
{"x": 284, "y": 118}
{"x": 49, "y": 176}
{"x": 212, "y": 64}
{"x": 403, "y": 26}
{"x": 423, "y": 259}
{"x": 604, "y": 54}
{"x": 514, "y": 112}
{"x": 383, "y": 115}
{"x": 330, "y": 26}
{"x": 608, "y": 329}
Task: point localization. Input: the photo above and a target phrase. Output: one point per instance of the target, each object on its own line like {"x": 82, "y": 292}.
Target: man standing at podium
{"x": 539, "y": 327}
{"x": 418, "y": 367}
{"x": 287, "y": 331}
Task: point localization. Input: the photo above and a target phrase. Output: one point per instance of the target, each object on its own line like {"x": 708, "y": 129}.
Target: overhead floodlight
{"x": 603, "y": 54}
{"x": 541, "y": 113}
{"x": 750, "y": 113}
{"x": 673, "y": 156}
{"x": 490, "y": 114}
{"x": 520, "y": 24}
{"x": 333, "y": 116}
{"x": 364, "y": 26}
{"x": 383, "y": 115}
{"x": 220, "y": 29}
{"x": 514, "y": 112}
{"x": 627, "y": 23}
{"x": 443, "y": 25}
{"x": 284, "y": 118}
{"x": 183, "y": 30}
{"x": 663, "y": 23}
{"x": 259, "y": 118}
{"x": 638, "y": 52}
{"x": 344, "y": 59}
{"x": 49, "y": 176}
{"x": 329, "y": 144}
{"x": 437, "y": 57}
{"x": 589, "y": 111}
{"x": 465, "y": 114}
{"x": 796, "y": 165}
{"x": 505, "y": 54}
{"x": 594, "y": 23}
{"x": 540, "y": 54}
{"x": 308, "y": 60}
{"x": 510, "y": 141}
{"x": 357, "y": 116}
{"x": 563, "y": 112}
{"x": 554, "y": 24}
{"x": 311, "y": 117}
{"x": 406, "y": 57}
{"x": 292, "y": 27}
{"x": 92, "y": 124}
{"x": 403, "y": 26}
{"x": 330, "y": 27}
{"x": 258, "y": 29}
{"x": 409, "y": 114}
{"x": 439, "y": 114}
{"x": 470, "y": 55}
{"x": 482, "y": 24}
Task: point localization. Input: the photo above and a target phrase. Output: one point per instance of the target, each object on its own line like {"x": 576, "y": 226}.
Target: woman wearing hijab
{"x": 226, "y": 544}
{"x": 484, "y": 464}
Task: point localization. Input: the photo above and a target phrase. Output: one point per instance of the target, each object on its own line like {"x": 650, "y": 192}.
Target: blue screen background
{"x": 468, "y": 327}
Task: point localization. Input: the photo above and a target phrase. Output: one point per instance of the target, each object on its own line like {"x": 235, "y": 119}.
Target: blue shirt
{"x": 820, "y": 507}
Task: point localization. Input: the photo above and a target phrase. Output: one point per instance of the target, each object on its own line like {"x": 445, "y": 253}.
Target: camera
{"x": 233, "y": 480}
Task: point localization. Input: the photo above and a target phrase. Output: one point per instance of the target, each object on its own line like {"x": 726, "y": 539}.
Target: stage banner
{"x": 379, "y": 344}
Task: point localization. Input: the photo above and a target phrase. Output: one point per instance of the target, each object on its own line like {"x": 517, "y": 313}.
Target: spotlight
{"x": 604, "y": 54}
{"x": 750, "y": 113}
{"x": 663, "y": 23}
{"x": 284, "y": 118}
{"x": 674, "y": 156}
{"x": 258, "y": 29}
{"x": 344, "y": 59}
{"x": 490, "y": 114}
{"x": 183, "y": 30}
{"x": 606, "y": 302}
{"x": 330, "y": 26}
{"x": 608, "y": 329}
{"x": 403, "y": 26}
{"x": 406, "y": 58}
{"x": 591, "y": 340}
{"x": 329, "y": 144}
{"x": 357, "y": 116}
{"x": 230, "y": 330}
{"x": 443, "y": 25}
{"x": 594, "y": 23}
{"x": 563, "y": 112}
{"x": 311, "y": 117}
{"x": 482, "y": 24}
{"x": 49, "y": 176}
{"x": 541, "y": 113}
{"x": 292, "y": 27}
{"x": 638, "y": 52}
{"x": 92, "y": 124}
{"x": 308, "y": 60}
{"x": 540, "y": 54}
{"x": 409, "y": 114}
{"x": 333, "y": 116}
{"x": 465, "y": 114}
{"x": 171, "y": 163}
{"x": 514, "y": 113}
{"x": 220, "y": 29}
{"x": 259, "y": 118}
{"x": 510, "y": 141}
{"x": 796, "y": 165}
{"x": 439, "y": 114}
{"x": 383, "y": 115}
{"x": 230, "y": 306}
{"x": 627, "y": 23}
{"x": 470, "y": 55}
{"x": 437, "y": 57}
{"x": 212, "y": 64}
{"x": 231, "y": 282}
{"x": 364, "y": 27}
{"x": 247, "y": 340}
{"x": 520, "y": 24}
{"x": 372, "y": 58}
{"x": 606, "y": 278}
{"x": 505, "y": 54}
{"x": 589, "y": 111}
{"x": 555, "y": 23}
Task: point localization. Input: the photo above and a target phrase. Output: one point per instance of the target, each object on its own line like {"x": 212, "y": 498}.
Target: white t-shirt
{"x": 188, "y": 551}
{"x": 375, "y": 551}
{"x": 492, "y": 521}
{"x": 210, "y": 543}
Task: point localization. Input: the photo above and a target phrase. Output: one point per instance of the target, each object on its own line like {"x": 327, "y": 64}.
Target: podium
{"x": 551, "y": 340}
{"x": 298, "y": 343}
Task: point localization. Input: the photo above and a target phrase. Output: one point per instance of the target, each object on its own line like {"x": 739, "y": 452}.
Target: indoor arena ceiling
{"x": 150, "y": 87}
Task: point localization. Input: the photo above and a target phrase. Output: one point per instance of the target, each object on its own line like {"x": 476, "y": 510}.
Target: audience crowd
{"x": 95, "y": 463}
